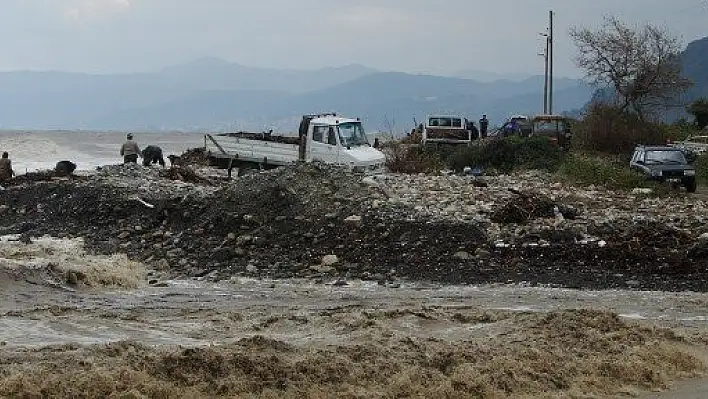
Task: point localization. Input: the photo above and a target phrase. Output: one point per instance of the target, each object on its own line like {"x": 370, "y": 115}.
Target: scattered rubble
{"x": 318, "y": 221}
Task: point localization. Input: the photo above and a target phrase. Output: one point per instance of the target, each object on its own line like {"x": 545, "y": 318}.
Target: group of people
{"x": 130, "y": 152}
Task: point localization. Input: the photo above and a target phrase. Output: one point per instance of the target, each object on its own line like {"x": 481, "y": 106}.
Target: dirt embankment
{"x": 320, "y": 222}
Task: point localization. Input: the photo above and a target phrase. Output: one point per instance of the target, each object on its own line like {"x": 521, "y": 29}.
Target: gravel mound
{"x": 323, "y": 222}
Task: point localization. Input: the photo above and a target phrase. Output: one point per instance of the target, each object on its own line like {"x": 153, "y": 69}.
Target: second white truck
{"x": 326, "y": 138}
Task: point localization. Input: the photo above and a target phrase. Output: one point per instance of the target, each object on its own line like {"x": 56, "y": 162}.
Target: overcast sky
{"x": 433, "y": 36}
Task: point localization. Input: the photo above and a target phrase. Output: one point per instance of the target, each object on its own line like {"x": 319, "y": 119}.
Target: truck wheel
{"x": 691, "y": 186}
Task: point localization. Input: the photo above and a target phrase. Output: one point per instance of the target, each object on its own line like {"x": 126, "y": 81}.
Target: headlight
{"x": 656, "y": 173}
{"x": 689, "y": 172}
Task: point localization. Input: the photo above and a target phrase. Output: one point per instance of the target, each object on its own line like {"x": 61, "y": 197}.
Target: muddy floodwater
{"x": 194, "y": 313}
{"x": 111, "y": 334}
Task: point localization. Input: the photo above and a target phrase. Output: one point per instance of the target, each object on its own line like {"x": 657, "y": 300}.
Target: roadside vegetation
{"x": 638, "y": 76}
{"x": 508, "y": 154}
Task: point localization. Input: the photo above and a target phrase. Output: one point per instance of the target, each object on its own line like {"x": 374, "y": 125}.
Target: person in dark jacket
{"x": 483, "y": 126}
{"x": 6, "y": 172}
{"x": 152, "y": 154}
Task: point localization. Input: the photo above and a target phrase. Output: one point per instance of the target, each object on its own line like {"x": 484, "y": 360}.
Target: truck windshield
{"x": 664, "y": 157}
{"x": 547, "y": 126}
{"x": 444, "y": 122}
{"x": 352, "y": 134}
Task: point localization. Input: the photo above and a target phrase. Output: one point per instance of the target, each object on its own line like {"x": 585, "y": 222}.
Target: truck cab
{"x": 334, "y": 139}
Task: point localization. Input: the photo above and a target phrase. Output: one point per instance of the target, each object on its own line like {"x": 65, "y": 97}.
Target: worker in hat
{"x": 130, "y": 151}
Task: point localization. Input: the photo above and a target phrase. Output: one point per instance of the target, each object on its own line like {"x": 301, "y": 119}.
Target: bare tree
{"x": 642, "y": 65}
{"x": 390, "y": 125}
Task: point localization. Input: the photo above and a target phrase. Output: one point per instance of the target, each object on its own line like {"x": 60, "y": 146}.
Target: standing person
{"x": 483, "y": 126}
{"x": 6, "y": 172}
{"x": 130, "y": 151}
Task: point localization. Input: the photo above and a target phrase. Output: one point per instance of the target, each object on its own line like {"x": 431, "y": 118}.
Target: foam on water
{"x": 63, "y": 256}
{"x": 32, "y": 151}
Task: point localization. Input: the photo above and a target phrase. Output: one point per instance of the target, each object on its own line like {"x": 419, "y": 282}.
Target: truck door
{"x": 324, "y": 145}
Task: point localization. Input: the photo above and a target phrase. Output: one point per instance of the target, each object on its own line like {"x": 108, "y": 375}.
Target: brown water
{"x": 38, "y": 309}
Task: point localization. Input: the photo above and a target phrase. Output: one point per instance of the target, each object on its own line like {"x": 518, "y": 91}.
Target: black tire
{"x": 691, "y": 186}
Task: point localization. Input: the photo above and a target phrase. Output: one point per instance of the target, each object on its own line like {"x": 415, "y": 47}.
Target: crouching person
{"x": 152, "y": 154}
{"x": 65, "y": 168}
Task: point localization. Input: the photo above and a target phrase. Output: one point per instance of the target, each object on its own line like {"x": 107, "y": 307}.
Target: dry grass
{"x": 561, "y": 354}
{"x": 401, "y": 158}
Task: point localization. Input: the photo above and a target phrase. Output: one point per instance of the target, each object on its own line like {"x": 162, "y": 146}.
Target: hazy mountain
{"x": 213, "y": 94}
{"x": 392, "y": 96}
{"x": 217, "y": 74}
{"x": 487, "y": 76}
{"x": 695, "y": 67}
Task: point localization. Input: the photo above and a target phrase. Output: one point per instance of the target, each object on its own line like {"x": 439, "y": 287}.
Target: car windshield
{"x": 352, "y": 134}
{"x": 663, "y": 157}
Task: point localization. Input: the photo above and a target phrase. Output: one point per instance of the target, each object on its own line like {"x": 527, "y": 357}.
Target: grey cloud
{"x": 408, "y": 35}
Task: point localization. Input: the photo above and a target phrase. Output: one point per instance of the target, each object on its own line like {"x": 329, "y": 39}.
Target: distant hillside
{"x": 488, "y": 77}
{"x": 695, "y": 67}
{"x": 392, "y": 96}
{"x": 213, "y": 94}
{"x": 217, "y": 74}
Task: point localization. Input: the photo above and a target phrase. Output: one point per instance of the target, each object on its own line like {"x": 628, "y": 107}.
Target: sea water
{"x": 41, "y": 150}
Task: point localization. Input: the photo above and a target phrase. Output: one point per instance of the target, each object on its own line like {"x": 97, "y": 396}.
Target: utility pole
{"x": 545, "y": 75}
{"x": 550, "y": 62}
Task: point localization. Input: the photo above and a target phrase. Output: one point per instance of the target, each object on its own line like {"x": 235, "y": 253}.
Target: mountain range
{"x": 213, "y": 94}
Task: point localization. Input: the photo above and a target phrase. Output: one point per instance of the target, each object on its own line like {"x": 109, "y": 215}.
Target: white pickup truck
{"x": 326, "y": 138}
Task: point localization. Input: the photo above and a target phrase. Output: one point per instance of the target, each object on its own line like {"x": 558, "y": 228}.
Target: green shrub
{"x": 508, "y": 154}
{"x": 611, "y": 173}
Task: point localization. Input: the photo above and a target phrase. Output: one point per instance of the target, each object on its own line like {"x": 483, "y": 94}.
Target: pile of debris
{"x": 186, "y": 174}
{"x": 526, "y": 206}
{"x": 194, "y": 157}
{"x": 320, "y": 221}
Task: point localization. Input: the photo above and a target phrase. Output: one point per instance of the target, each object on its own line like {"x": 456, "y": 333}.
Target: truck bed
{"x": 253, "y": 147}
